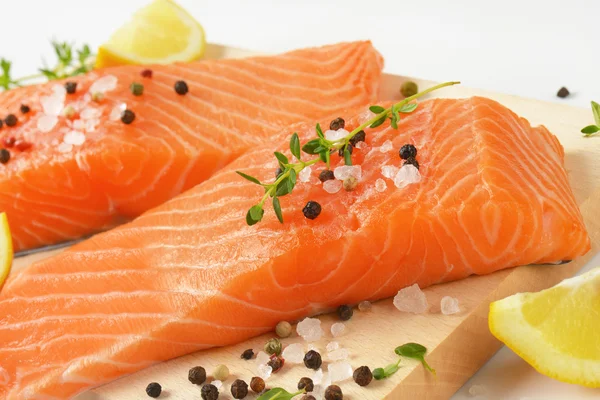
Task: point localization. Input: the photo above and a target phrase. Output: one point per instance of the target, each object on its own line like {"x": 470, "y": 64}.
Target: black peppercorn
{"x": 276, "y": 363}
{"x": 278, "y": 172}
{"x": 362, "y": 376}
{"x": 411, "y": 161}
{"x": 70, "y": 87}
{"x": 197, "y": 375}
{"x": 311, "y": 210}
{"x": 359, "y": 137}
{"x": 333, "y": 392}
{"x": 11, "y": 120}
{"x": 8, "y": 141}
{"x": 326, "y": 175}
{"x": 4, "y": 156}
{"x": 563, "y": 92}
{"x": 127, "y": 117}
{"x": 408, "y": 150}
{"x": 337, "y": 123}
{"x": 239, "y": 389}
{"x": 312, "y": 360}
{"x": 247, "y": 354}
{"x": 306, "y": 384}
{"x": 153, "y": 390}
{"x": 209, "y": 392}
{"x": 308, "y": 397}
{"x": 25, "y": 108}
{"x": 181, "y": 87}
{"x": 146, "y": 73}
{"x": 257, "y": 384}
{"x": 345, "y": 312}
{"x": 341, "y": 151}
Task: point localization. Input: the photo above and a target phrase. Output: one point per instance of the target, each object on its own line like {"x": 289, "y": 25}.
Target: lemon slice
{"x": 6, "y": 249}
{"x": 160, "y": 33}
{"x": 555, "y": 330}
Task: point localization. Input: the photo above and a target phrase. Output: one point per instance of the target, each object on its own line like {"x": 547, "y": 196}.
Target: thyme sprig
{"x": 71, "y": 62}
{"x": 592, "y": 129}
{"x": 286, "y": 181}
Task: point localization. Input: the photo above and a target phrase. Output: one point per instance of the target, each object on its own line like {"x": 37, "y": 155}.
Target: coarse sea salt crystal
{"x": 411, "y": 299}
{"x": 317, "y": 376}
{"x": 346, "y": 171}
{"x": 478, "y": 390}
{"x": 90, "y": 113}
{"x": 52, "y": 105}
{"x": 406, "y": 175}
{"x": 79, "y": 124}
{"x": 115, "y": 113}
{"x": 386, "y": 146}
{"x": 389, "y": 171}
{"x": 264, "y": 371}
{"x": 218, "y": 384}
{"x": 91, "y": 124}
{"x": 338, "y": 355}
{"x": 310, "y": 329}
{"x": 336, "y": 135}
{"x": 332, "y": 186}
{"x": 65, "y": 147}
{"x": 331, "y": 346}
{"x": 294, "y": 353}
{"x": 304, "y": 175}
{"x": 365, "y": 306}
{"x": 262, "y": 358}
{"x": 449, "y": 305}
{"x": 339, "y": 371}
{"x": 75, "y": 138}
{"x": 362, "y": 146}
{"x": 380, "y": 185}
{"x": 46, "y": 123}
{"x": 338, "y": 329}
{"x": 104, "y": 84}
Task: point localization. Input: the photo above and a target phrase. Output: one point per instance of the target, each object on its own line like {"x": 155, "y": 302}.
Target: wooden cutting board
{"x": 458, "y": 345}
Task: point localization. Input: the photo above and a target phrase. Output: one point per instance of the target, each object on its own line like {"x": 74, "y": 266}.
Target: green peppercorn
{"x": 239, "y": 389}
{"x": 306, "y": 384}
{"x": 70, "y": 87}
{"x": 337, "y": 123}
{"x": 25, "y": 108}
{"x": 153, "y": 390}
{"x": 209, "y": 392}
{"x": 350, "y": 183}
{"x": 409, "y": 88}
{"x": 273, "y": 346}
{"x": 276, "y": 363}
{"x": 97, "y": 97}
{"x": 4, "y": 156}
{"x": 11, "y": 120}
{"x": 359, "y": 137}
{"x": 257, "y": 384}
{"x": 137, "y": 89}
{"x": 312, "y": 360}
{"x": 326, "y": 175}
{"x": 362, "y": 375}
{"x": 181, "y": 88}
{"x": 345, "y": 312}
{"x": 283, "y": 329}
{"x": 221, "y": 372}
{"x": 247, "y": 354}
{"x": 411, "y": 161}
{"x": 311, "y": 210}
{"x": 197, "y": 375}
{"x": 408, "y": 150}
{"x": 333, "y": 392}
{"x": 127, "y": 117}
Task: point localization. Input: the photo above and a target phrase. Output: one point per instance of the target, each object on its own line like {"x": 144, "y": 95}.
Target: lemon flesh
{"x": 160, "y": 33}
{"x": 6, "y": 249}
{"x": 555, "y": 330}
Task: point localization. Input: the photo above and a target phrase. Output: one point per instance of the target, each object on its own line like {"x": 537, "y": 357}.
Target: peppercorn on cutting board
{"x": 458, "y": 345}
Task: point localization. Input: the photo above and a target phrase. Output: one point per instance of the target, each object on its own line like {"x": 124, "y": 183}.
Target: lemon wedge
{"x": 160, "y": 33}
{"x": 555, "y": 330}
{"x": 6, "y": 249}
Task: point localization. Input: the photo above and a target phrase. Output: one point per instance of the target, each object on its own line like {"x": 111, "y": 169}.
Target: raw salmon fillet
{"x": 191, "y": 274}
{"x": 92, "y": 171}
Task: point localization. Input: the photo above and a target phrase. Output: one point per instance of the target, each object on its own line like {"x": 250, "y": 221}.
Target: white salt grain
{"x": 59, "y": 91}
{"x": 389, "y": 171}
{"x": 339, "y": 371}
{"x": 380, "y": 185}
{"x": 262, "y": 358}
{"x": 79, "y": 124}
{"x": 90, "y": 113}
{"x": 338, "y": 355}
{"x": 218, "y": 384}
{"x": 332, "y": 186}
{"x": 104, "y": 84}
{"x": 317, "y": 376}
{"x": 361, "y": 146}
{"x": 336, "y": 135}
{"x": 65, "y": 147}
{"x": 338, "y": 329}
{"x": 365, "y": 306}
{"x": 47, "y": 122}
{"x": 90, "y": 124}
{"x": 386, "y": 146}
{"x": 75, "y": 138}
{"x": 264, "y": 371}
{"x": 51, "y": 105}
{"x": 411, "y": 299}
{"x": 304, "y": 175}
{"x": 478, "y": 390}
{"x": 406, "y": 175}
{"x": 310, "y": 329}
{"x": 346, "y": 171}
{"x": 449, "y": 305}
{"x": 294, "y": 353}
{"x": 331, "y": 346}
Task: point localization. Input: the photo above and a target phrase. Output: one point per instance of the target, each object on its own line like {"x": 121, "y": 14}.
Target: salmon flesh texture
{"x": 190, "y": 274}
{"x": 57, "y": 191}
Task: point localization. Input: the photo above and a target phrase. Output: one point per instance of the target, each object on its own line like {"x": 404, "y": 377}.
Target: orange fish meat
{"x": 86, "y": 170}
{"x": 190, "y": 274}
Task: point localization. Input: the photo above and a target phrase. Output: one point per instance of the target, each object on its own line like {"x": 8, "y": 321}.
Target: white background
{"x": 528, "y": 48}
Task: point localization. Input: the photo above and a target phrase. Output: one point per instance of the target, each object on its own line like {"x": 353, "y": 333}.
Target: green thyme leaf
{"x": 319, "y": 131}
{"x": 408, "y": 108}
{"x": 414, "y": 351}
{"x": 277, "y": 208}
{"x": 378, "y": 122}
{"x": 48, "y": 73}
{"x": 295, "y": 145}
{"x": 590, "y": 129}
{"x": 347, "y": 156}
{"x": 325, "y": 156}
{"x": 379, "y": 374}
{"x": 254, "y": 215}
{"x": 282, "y": 158}
{"x": 292, "y": 178}
{"x": 312, "y": 146}
{"x": 248, "y": 177}
{"x": 376, "y": 109}
{"x": 394, "y": 122}
{"x": 391, "y": 369}
{"x": 278, "y": 394}
{"x": 596, "y": 112}
{"x": 5, "y": 79}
